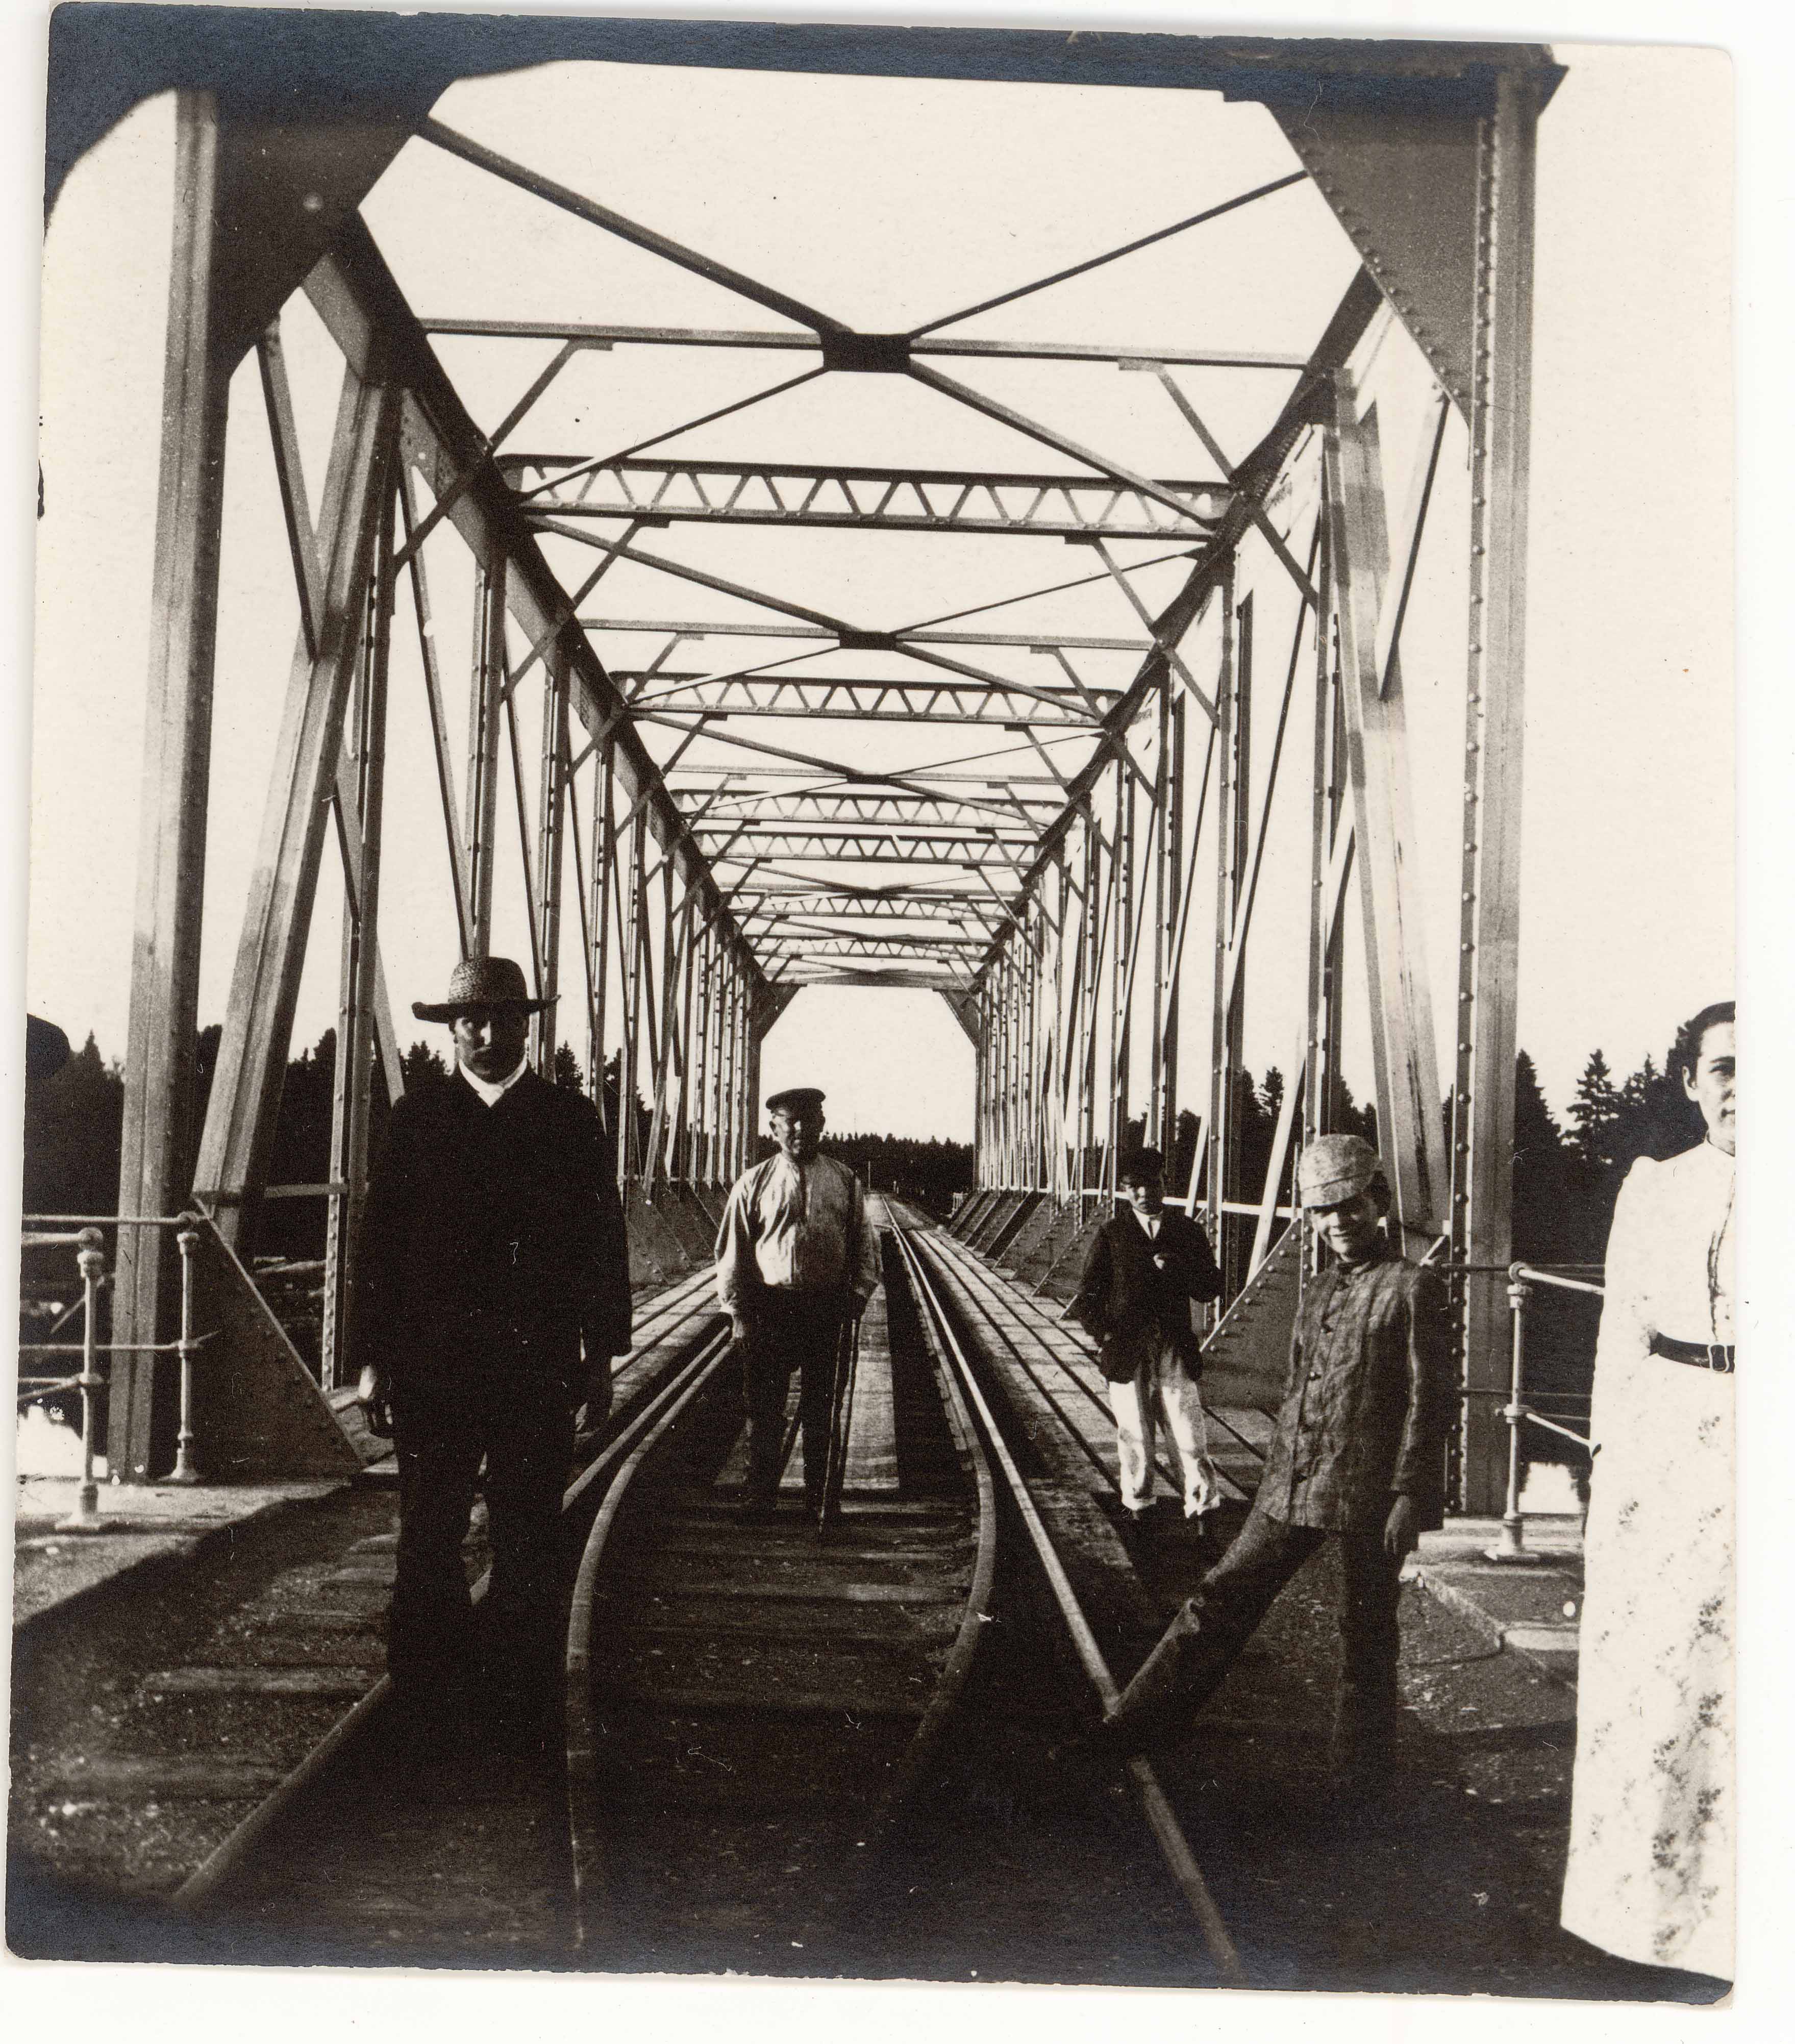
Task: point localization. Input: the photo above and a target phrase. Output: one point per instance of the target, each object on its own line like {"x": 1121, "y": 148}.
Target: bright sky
{"x": 836, "y": 190}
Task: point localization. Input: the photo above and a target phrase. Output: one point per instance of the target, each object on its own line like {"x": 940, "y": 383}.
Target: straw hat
{"x": 484, "y": 982}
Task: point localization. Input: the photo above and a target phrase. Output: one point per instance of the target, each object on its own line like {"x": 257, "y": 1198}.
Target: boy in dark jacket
{"x": 1144, "y": 1269}
{"x": 1357, "y": 1457}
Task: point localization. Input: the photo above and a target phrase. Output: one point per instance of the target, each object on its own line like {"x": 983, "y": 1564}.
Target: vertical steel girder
{"x": 1401, "y": 1012}
{"x": 252, "y": 1054}
{"x": 552, "y": 813}
{"x": 1230, "y": 700}
{"x": 486, "y": 700}
{"x": 602, "y": 883}
{"x": 634, "y": 938}
{"x": 1167, "y": 821}
{"x": 452, "y": 835}
{"x": 665, "y": 1058}
{"x": 1484, "y": 1040}
{"x": 355, "y": 1036}
{"x": 155, "y": 1165}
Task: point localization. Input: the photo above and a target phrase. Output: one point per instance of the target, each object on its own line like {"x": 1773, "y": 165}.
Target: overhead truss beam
{"x": 865, "y": 700}
{"x": 771, "y": 840}
{"x": 864, "y": 499}
{"x": 861, "y": 641}
{"x": 772, "y": 339}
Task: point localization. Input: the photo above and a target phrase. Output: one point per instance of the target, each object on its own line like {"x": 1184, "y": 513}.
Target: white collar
{"x": 492, "y": 1093}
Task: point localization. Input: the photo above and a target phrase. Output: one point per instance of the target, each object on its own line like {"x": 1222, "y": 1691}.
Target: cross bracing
{"x": 773, "y": 341}
{"x": 917, "y": 805}
{"x": 890, "y": 500}
{"x": 1088, "y": 797}
{"x": 868, "y": 640}
{"x": 865, "y": 701}
{"x": 775, "y": 840}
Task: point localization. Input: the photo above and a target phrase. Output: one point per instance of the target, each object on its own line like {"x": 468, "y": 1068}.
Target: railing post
{"x": 184, "y": 1471}
{"x": 91, "y": 1259}
{"x": 1511, "y": 1545}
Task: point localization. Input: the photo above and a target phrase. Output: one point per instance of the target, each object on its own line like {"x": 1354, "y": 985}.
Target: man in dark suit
{"x": 492, "y": 1289}
{"x": 1142, "y": 1271}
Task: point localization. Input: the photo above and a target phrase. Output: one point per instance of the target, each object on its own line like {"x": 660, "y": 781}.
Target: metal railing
{"x": 1517, "y": 1413}
{"x": 84, "y": 1234}
{"x": 1511, "y": 1545}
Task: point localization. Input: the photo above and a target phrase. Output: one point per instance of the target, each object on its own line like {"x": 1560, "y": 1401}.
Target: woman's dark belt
{"x": 1716, "y": 1356}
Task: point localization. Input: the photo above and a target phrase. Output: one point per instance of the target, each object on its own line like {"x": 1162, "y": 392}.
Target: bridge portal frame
{"x": 1425, "y": 151}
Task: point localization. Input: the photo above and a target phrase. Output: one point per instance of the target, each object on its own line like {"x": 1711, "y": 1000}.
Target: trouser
{"x": 525, "y": 1437}
{"x": 788, "y": 1331}
{"x": 1159, "y": 1705}
{"x": 1162, "y": 1391}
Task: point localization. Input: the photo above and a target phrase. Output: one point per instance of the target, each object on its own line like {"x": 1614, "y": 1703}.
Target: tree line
{"x": 73, "y": 1125}
{"x": 1566, "y": 1174}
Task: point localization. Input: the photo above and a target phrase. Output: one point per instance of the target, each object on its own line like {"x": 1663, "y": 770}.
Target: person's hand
{"x": 1402, "y": 1528}
{"x": 373, "y": 1390}
{"x": 738, "y": 1327}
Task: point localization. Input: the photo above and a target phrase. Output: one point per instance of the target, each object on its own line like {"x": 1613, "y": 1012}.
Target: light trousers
{"x": 1162, "y": 1394}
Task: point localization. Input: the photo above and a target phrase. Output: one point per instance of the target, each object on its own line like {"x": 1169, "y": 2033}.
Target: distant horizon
{"x": 1620, "y": 1070}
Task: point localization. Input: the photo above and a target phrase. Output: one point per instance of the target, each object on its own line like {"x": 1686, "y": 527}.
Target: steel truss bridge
{"x": 1189, "y": 671}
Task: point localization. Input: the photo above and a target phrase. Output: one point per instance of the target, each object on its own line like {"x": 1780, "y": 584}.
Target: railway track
{"x": 750, "y": 1708}
{"x": 788, "y": 1750}
{"x": 1161, "y": 1818}
{"x": 348, "y": 1849}
{"x": 1053, "y": 1367}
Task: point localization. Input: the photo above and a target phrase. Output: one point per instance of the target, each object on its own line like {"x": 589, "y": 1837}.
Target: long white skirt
{"x": 1651, "y": 1872}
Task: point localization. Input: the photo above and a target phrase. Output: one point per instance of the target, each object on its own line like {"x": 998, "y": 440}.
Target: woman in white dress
{"x": 1651, "y": 1872}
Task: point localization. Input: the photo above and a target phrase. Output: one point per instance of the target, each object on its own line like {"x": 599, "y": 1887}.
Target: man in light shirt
{"x": 795, "y": 1261}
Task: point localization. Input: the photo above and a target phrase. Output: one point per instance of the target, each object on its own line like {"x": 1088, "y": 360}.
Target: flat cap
{"x": 1141, "y": 1169}
{"x": 482, "y": 982}
{"x": 1334, "y": 1167}
{"x": 793, "y": 1098}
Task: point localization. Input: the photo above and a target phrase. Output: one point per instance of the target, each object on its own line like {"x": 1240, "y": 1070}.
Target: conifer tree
{"x": 423, "y": 1061}
{"x": 1595, "y": 1115}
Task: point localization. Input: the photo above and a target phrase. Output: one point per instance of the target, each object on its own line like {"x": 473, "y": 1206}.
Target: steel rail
{"x": 965, "y": 1260}
{"x": 1162, "y": 1819}
{"x": 1077, "y": 1433}
{"x": 958, "y": 1665}
{"x": 583, "y": 1735}
{"x": 227, "y": 1859}
{"x": 582, "y": 1740}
